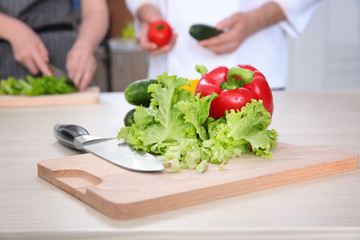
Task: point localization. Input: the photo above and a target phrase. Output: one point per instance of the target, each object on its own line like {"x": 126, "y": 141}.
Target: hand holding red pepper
{"x": 235, "y": 87}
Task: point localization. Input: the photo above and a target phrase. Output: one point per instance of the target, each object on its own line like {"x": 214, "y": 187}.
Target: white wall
{"x": 327, "y": 55}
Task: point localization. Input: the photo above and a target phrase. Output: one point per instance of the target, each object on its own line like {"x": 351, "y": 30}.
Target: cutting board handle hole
{"x": 76, "y": 178}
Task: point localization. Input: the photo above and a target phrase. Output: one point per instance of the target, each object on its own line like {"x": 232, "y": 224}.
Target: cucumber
{"x": 129, "y": 118}
{"x": 202, "y": 31}
{"x": 136, "y": 93}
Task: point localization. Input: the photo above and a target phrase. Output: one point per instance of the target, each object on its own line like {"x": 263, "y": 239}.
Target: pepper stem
{"x": 200, "y": 68}
{"x": 233, "y": 82}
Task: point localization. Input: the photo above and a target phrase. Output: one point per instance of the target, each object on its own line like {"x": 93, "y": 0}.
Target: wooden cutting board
{"x": 89, "y": 96}
{"x": 123, "y": 194}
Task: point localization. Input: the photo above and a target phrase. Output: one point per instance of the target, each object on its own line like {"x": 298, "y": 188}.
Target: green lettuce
{"x": 177, "y": 127}
{"x": 35, "y": 86}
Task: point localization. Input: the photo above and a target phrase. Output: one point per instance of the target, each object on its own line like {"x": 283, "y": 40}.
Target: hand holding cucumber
{"x": 238, "y": 27}
{"x": 219, "y": 41}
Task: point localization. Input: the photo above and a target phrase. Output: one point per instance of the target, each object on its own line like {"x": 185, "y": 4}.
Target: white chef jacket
{"x": 266, "y": 50}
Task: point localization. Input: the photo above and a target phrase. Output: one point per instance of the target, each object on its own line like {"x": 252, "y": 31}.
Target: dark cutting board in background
{"x": 123, "y": 194}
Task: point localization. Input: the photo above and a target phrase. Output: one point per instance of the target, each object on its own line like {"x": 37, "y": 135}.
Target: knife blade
{"x": 58, "y": 73}
{"x": 110, "y": 149}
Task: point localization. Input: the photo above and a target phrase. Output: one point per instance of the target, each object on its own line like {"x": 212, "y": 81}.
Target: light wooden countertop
{"x": 322, "y": 208}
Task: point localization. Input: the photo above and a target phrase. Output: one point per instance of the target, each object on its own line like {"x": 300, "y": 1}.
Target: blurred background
{"x": 326, "y": 56}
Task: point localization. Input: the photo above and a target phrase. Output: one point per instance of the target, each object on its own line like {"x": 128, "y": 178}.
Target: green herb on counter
{"x": 35, "y": 86}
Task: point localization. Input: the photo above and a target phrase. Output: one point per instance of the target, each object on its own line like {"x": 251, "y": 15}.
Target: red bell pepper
{"x": 235, "y": 87}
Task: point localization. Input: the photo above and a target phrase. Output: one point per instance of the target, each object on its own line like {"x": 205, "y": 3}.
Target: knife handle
{"x": 66, "y": 134}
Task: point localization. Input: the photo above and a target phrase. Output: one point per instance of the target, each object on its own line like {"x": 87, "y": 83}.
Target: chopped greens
{"x": 35, "y": 86}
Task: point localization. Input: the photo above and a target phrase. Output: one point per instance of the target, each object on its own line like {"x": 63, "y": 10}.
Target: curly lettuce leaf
{"x": 243, "y": 130}
{"x": 196, "y": 111}
{"x": 161, "y": 125}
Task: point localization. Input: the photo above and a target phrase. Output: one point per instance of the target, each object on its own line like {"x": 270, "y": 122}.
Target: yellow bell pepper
{"x": 193, "y": 83}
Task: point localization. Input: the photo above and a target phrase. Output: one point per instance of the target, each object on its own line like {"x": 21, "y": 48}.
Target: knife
{"x": 110, "y": 149}
{"x": 58, "y": 73}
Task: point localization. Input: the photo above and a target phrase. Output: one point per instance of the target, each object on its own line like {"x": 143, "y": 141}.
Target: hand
{"x": 29, "y": 50}
{"x": 81, "y": 65}
{"x": 80, "y": 60}
{"x": 148, "y": 13}
{"x": 239, "y": 28}
{"x": 151, "y": 47}
{"x": 241, "y": 25}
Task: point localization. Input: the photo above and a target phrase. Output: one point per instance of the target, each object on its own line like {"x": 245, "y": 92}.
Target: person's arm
{"x": 292, "y": 15}
{"x": 27, "y": 47}
{"x": 241, "y": 25}
{"x": 298, "y": 15}
{"x": 81, "y": 63}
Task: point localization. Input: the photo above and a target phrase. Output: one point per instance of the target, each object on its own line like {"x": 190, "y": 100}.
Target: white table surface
{"x": 322, "y": 208}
